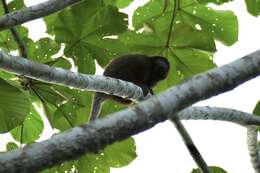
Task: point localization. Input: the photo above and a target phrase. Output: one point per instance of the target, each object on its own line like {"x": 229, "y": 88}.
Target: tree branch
{"x": 222, "y": 114}
{"x": 252, "y": 145}
{"x": 67, "y": 78}
{"x": 34, "y": 12}
{"x": 190, "y": 145}
{"x": 97, "y": 134}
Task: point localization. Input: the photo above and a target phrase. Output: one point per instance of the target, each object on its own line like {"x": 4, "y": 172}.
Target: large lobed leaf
{"x": 85, "y": 28}
{"x": 14, "y": 106}
{"x": 31, "y": 128}
{"x": 221, "y": 25}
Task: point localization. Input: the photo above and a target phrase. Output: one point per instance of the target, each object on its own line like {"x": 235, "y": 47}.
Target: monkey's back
{"x": 141, "y": 70}
{"x": 131, "y": 68}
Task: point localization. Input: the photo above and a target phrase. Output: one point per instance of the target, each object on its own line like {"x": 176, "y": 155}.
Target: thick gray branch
{"x": 215, "y": 113}
{"x": 252, "y": 145}
{"x": 118, "y": 126}
{"x": 21, "y": 66}
{"x": 34, "y": 12}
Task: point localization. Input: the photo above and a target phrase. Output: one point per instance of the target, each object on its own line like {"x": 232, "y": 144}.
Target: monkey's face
{"x": 159, "y": 71}
{"x": 161, "y": 67}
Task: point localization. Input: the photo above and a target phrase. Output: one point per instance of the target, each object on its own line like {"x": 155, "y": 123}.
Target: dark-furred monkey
{"x": 141, "y": 70}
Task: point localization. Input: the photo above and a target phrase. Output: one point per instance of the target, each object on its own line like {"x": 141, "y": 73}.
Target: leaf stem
{"x": 174, "y": 13}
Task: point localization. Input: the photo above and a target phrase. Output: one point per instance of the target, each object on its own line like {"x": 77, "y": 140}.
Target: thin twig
{"x": 20, "y": 43}
{"x": 190, "y": 145}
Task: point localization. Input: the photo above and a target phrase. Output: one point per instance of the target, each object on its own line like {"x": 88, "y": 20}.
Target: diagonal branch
{"x": 97, "y": 134}
{"x": 67, "y": 78}
{"x": 34, "y": 12}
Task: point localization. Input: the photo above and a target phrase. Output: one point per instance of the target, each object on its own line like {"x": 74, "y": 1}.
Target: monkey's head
{"x": 160, "y": 68}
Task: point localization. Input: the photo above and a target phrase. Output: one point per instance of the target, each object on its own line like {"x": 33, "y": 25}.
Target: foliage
{"x": 14, "y": 106}
{"x": 256, "y": 110}
{"x": 116, "y": 155}
{"x": 213, "y": 169}
{"x": 253, "y": 7}
{"x": 31, "y": 129}
{"x": 184, "y": 31}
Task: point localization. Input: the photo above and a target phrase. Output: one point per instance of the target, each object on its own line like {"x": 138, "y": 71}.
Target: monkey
{"x": 145, "y": 72}
{"x": 139, "y": 69}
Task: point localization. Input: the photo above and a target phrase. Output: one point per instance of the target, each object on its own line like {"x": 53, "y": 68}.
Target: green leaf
{"x": 75, "y": 111}
{"x": 223, "y": 25}
{"x": 121, "y": 153}
{"x": 150, "y": 13}
{"x": 218, "y": 2}
{"x": 48, "y": 93}
{"x": 7, "y": 41}
{"x": 15, "y": 5}
{"x": 6, "y": 75}
{"x": 253, "y": 7}
{"x": 93, "y": 163}
{"x": 190, "y": 61}
{"x": 64, "y": 107}
{"x": 65, "y": 117}
{"x": 89, "y": 39}
{"x": 119, "y": 3}
{"x": 82, "y": 59}
{"x": 123, "y": 3}
{"x": 197, "y": 39}
{"x": 60, "y": 62}
{"x": 110, "y": 106}
{"x": 149, "y": 44}
{"x": 257, "y": 109}
{"x": 116, "y": 155}
{"x": 14, "y": 106}
{"x": 213, "y": 169}
{"x": 49, "y": 110}
{"x": 11, "y": 146}
{"x": 58, "y": 95}
{"x": 1, "y": 10}
{"x": 44, "y": 49}
{"x": 63, "y": 168}
{"x": 31, "y": 130}
{"x": 50, "y": 23}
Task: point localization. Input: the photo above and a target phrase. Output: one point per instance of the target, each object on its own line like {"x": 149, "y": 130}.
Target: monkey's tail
{"x": 96, "y": 106}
